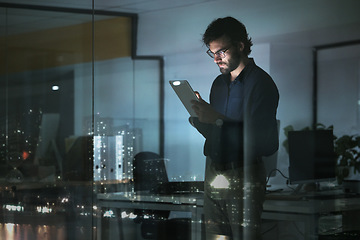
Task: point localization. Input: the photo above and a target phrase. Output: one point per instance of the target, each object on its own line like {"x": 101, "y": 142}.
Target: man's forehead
{"x": 218, "y": 44}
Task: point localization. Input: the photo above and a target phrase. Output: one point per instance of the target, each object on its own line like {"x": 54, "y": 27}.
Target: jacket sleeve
{"x": 204, "y": 128}
{"x": 260, "y": 124}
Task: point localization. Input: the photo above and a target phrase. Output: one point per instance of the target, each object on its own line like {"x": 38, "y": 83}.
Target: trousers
{"x": 233, "y": 200}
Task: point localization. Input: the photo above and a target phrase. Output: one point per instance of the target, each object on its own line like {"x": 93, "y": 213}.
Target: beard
{"x": 232, "y": 64}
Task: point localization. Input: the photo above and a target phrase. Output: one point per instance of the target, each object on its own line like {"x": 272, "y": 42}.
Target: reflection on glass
{"x": 12, "y": 231}
{"x": 42, "y": 58}
{"x": 49, "y": 126}
{"x": 14, "y": 160}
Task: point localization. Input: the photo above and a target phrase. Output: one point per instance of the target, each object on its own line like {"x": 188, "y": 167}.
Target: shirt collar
{"x": 246, "y": 69}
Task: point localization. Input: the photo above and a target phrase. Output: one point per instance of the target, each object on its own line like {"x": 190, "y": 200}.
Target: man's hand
{"x": 204, "y": 110}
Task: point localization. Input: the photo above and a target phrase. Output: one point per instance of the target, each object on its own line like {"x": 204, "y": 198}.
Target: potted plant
{"x": 347, "y": 148}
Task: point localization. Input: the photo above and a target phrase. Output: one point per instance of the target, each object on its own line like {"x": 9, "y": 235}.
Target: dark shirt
{"x": 250, "y": 128}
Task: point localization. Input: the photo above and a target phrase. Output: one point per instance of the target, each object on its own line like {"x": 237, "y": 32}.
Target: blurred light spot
{"x": 220, "y": 181}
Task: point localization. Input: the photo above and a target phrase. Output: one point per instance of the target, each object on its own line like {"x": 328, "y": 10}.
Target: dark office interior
{"x": 95, "y": 144}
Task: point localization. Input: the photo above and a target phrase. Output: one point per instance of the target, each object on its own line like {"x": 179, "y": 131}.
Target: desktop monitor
{"x": 311, "y": 156}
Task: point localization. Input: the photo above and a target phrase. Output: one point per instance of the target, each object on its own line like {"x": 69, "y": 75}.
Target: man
{"x": 240, "y": 127}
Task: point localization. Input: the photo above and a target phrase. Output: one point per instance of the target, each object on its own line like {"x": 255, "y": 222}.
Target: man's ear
{"x": 241, "y": 46}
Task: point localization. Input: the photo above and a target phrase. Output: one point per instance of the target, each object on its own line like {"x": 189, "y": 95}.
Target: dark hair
{"x": 231, "y": 28}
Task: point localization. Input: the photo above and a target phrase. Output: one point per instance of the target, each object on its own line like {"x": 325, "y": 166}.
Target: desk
{"x": 275, "y": 208}
{"x": 307, "y": 210}
{"x": 192, "y": 203}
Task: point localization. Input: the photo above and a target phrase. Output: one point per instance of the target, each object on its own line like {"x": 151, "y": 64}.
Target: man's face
{"x": 227, "y": 56}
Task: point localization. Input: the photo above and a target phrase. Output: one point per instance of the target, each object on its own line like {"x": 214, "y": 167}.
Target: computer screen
{"x": 311, "y": 156}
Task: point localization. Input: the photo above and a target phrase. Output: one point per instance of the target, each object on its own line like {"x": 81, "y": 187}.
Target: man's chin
{"x": 224, "y": 70}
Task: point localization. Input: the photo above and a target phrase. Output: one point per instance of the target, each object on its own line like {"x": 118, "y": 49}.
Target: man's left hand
{"x": 205, "y": 111}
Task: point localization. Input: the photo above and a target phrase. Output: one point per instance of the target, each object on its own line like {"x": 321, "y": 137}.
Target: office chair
{"x": 149, "y": 171}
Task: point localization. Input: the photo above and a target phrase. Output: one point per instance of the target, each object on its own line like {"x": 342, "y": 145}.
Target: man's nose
{"x": 217, "y": 58}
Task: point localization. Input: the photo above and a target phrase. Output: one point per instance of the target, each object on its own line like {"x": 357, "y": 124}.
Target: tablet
{"x": 185, "y": 93}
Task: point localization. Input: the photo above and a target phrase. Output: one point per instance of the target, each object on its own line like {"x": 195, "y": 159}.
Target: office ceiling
{"x": 130, "y": 6}
{"x": 319, "y": 15}
{"x": 21, "y": 20}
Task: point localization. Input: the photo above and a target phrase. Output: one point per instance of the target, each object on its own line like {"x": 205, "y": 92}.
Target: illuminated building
{"x": 113, "y": 154}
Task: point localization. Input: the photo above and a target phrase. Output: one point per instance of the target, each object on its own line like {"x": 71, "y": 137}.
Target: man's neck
{"x": 238, "y": 70}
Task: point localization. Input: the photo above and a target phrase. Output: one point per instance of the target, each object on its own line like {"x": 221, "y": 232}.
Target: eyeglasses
{"x": 220, "y": 53}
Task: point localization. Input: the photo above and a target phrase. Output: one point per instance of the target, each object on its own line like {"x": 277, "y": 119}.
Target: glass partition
{"x": 75, "y": 109}
{"x": 43, "y": 195}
